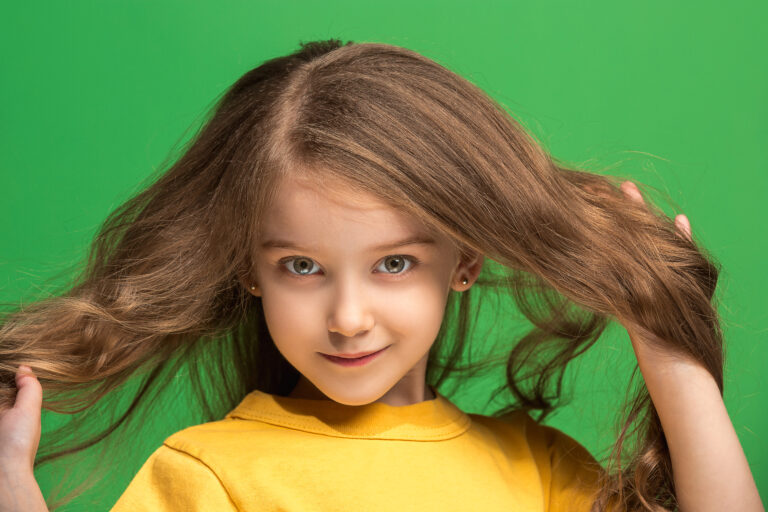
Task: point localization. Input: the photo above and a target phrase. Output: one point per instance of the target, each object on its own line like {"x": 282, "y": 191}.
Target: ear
{"x": 468, "y": 267}
{"x": 249, "y": 282}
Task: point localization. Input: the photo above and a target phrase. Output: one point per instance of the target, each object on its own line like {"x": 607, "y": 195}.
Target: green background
{"x": 673, "y": 94}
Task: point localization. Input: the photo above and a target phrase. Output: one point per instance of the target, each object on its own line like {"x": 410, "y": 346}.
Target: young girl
{"x": 316, "y": 248}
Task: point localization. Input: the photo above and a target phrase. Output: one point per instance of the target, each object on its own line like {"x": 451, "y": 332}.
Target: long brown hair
{"x": 160, "y": 288}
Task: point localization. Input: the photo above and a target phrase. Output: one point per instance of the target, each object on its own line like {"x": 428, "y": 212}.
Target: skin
{"x": 709, "y": 467}
{"x": 348, "y": 307}
{"x": 354, "y": 298}
{"x": 20, "y": 429}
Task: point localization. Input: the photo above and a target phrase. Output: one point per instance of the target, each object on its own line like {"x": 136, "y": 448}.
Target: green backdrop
{"x": 670, "y": 93}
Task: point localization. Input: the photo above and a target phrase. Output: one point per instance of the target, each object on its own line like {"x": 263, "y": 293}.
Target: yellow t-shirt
{"x": 275, "y": 453}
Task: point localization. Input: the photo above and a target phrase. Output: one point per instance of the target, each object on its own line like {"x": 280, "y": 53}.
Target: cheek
{"x": 285, "y": 309}
{"x": 289, "y": 320}
{"x": 415, "y": 314}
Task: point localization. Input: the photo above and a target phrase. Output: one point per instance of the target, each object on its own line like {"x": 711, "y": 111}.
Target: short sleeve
{"x": 575, "y": 474}
{"x": 173, "y": 480}
{"x": 569, "y": 473}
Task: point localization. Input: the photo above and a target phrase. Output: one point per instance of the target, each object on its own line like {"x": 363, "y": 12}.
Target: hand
{"x": 20, "y": 426}
{"x": 631, "y": 191}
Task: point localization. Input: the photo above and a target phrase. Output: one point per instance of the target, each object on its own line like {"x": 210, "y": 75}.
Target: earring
{"x": 253, "y": 287}
{"x": 464, "y": 281}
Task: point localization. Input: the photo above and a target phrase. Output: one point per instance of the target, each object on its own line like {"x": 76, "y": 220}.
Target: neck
{"x": 306, "y": 390}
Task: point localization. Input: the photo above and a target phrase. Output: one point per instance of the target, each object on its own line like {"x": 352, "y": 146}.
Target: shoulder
{"x": 219, "y": 438}
{"x": 223, "y": 444}
{"x": 568, "y": 472}
{"x": 542, "y": 439}
{"x": 172, "y": 479}
{"x": 191, "y": 470}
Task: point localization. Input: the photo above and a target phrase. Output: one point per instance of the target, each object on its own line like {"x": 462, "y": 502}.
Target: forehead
{"x": 304, "y": 206}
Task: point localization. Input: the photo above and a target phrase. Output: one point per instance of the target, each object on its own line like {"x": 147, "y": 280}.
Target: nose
{"x": 350, "y": 313}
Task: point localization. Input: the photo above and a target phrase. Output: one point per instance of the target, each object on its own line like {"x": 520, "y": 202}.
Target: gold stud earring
{"x": 253, "y": 287}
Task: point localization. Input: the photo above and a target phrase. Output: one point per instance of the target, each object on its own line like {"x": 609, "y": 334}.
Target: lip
{"x": 360, "y": 358}
{"x": 356, "y": 354}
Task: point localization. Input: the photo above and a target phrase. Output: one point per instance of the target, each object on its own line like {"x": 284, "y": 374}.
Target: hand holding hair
{"x": 630, "y": 190}
{"x": 20, "y": 428}
{"x": 710, "y": 468}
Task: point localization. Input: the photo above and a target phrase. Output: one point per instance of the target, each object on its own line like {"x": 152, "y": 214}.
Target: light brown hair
{"x": 161, "y": 290}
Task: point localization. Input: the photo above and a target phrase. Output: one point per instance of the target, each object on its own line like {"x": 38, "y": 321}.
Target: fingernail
{"x": 24, "y": 370}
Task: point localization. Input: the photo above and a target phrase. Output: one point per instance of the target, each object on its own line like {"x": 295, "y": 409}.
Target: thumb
{"x": 29, "y": 397}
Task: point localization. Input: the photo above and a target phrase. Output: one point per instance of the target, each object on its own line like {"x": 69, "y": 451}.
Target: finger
{"x": 684, "y": 225}
{"x": 29, "y": 397}
{"x": 631, "y": 191}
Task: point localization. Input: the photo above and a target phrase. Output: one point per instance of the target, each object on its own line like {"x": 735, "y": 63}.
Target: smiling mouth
{"x": 356, "y": 355}
{"x": 355, "y": 361}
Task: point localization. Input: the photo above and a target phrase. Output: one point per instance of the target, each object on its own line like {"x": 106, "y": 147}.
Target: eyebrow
{"x": 413, "y": 240}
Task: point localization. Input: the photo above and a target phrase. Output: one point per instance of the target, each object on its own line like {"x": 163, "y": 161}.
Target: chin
{"x": 354, "y": 403}
{"x": 363, "y": 397}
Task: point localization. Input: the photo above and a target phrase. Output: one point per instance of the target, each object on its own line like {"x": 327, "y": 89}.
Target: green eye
{"x": 300, "y": 266}
{"x": 397, "y": 263}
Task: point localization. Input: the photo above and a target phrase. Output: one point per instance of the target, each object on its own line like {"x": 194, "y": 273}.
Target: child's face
{"x": 336, "y": 293}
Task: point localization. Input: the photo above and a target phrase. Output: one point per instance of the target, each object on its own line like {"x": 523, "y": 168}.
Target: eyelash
{"x": 414, "y": 262}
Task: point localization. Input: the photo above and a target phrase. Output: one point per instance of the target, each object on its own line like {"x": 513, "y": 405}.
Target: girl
{"x": 310, "y": 250}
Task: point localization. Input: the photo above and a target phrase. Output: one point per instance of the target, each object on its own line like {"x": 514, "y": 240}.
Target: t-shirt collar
{"x": 431, "y": 420}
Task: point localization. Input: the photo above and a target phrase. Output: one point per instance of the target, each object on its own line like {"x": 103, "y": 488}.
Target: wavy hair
{"x": 160, "y": 289}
